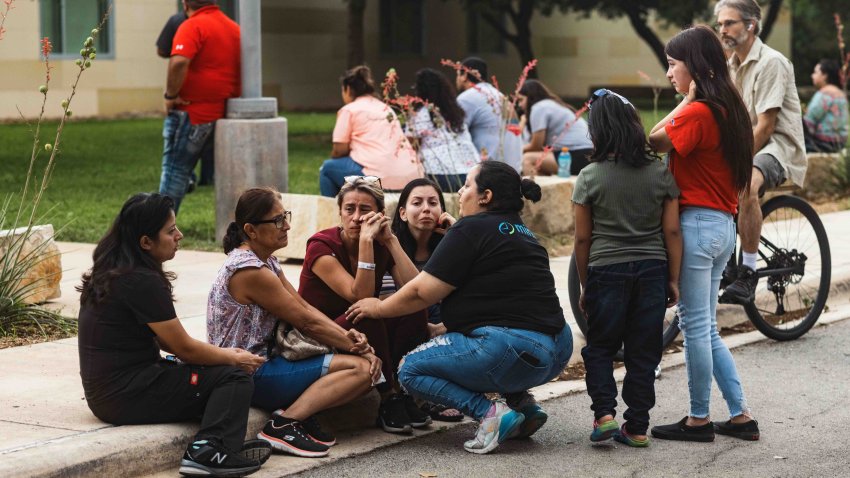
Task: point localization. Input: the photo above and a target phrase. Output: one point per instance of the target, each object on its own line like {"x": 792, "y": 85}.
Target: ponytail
{"x": 233, "y": 238}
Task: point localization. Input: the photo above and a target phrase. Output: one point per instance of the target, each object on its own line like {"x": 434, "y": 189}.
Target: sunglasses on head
{"x": 605, "y": 92}
{"x": 374, "y": 180}
{"x": 278, "y": 221}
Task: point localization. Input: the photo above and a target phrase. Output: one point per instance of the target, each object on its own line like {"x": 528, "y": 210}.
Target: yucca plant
{"x": 19, "y": 213}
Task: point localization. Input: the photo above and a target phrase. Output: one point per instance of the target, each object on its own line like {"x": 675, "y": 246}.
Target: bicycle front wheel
{"x": 794, "y": 268}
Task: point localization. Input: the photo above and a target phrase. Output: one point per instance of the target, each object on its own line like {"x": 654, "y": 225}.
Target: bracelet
{"x": 165, "y": 95}
{"x": 369, "y": 266}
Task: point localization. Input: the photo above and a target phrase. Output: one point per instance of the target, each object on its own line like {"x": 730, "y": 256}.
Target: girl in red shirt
{"x": 710, "y": 141}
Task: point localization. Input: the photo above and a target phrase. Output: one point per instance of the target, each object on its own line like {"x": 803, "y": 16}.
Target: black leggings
{"x": 219, "y": 395}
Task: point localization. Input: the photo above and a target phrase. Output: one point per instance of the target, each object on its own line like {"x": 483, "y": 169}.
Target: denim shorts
{"x": 279, "y": 382}
{"x": 771, "y": 169}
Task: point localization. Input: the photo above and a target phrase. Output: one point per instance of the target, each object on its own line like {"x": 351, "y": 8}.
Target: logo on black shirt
{"x": 508, "y": 229}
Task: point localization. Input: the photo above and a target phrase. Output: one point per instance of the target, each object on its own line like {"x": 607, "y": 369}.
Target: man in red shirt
{"x": 204, "y": 71}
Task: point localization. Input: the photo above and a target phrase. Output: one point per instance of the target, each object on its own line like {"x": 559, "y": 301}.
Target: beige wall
{"x": 304, "y": 53}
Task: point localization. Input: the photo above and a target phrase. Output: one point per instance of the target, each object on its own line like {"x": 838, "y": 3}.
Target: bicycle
{"x": 794, "y": 258}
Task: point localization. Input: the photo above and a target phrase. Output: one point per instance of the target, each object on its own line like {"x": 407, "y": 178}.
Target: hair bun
{"x": 530, "y": 190}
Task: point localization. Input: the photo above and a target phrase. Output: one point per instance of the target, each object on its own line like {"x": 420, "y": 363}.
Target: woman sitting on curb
{"x": 127, "y": 315}
{"x": 248, "y": 299}
{"x": 347, "y": 263}
{"x": 505, "y": 330}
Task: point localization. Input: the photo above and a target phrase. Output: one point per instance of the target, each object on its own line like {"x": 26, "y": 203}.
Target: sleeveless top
{"x": 231, "y": 324}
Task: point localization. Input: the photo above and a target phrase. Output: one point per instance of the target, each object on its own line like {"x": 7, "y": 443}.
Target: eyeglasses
{"x": 374, "y": 180}
{"x": 605, "y": 92}
{"x": 726, "y": 24}
{"x": 278, "y": 221}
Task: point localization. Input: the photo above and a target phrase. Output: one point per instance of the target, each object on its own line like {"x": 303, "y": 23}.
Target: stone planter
{"x": 46, "y": 272}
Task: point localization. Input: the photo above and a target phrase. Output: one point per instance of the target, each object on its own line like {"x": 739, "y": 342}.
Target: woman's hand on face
{"x": 385, "y": 234}
{"x": 445, "y": 221}
{"x": 370, "y": 225}
{"x": 374, "y": 367}
{"x": 363, "y": 309}
{"x": 361, "y": 344}
{"x": 692, "y": 91}
{"x": 246, "y": 360}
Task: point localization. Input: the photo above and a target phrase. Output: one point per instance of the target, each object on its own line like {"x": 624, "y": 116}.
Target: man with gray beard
{"x": 765, "y": 79}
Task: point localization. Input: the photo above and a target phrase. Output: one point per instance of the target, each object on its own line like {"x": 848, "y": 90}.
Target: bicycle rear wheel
{"x": 671, "y": 319}
{"x": 794, "y": 269}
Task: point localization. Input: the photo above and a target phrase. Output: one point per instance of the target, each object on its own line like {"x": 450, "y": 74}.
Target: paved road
{"x": 798, "y": 390}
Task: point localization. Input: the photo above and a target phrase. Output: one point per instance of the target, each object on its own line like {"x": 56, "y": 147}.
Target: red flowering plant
{"x": 18, "y": 258}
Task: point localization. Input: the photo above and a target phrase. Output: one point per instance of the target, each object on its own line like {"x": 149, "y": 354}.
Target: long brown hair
{"x": 700, "y": 49}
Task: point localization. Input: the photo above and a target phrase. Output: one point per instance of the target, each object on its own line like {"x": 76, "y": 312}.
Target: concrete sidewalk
{"x": 46, "y": 428}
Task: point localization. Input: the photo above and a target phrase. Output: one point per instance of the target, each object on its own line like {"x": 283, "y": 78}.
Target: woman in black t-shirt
{"x": 505, "y": 330}
{"x": 127, "y": 315}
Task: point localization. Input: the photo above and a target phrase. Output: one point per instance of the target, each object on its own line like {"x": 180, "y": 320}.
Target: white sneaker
{"x": 494, "y": 430}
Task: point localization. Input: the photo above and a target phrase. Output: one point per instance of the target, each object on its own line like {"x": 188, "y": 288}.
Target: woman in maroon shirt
{"x": 347, "y": 263}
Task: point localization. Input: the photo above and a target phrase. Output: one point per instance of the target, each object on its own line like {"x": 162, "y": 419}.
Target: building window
{"x": 69, "y": 22}
{"x": 402, "y": 26}
{"x": 482, "y": 37}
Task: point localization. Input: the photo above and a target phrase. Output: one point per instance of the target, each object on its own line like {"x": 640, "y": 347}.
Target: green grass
{"x": 103, "y": 162}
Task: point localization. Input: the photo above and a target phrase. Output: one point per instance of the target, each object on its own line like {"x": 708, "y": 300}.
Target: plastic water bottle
{"x": 564, "y": 162}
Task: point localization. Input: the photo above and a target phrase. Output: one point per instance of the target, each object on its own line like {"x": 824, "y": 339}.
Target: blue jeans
{"x": 456, "y": 370}
{"x": 183, "y": 145}
{"x": 708, "y": 238}
{"x": 625, "y": 306}
{"x": 333, "y": 172}
{"x": 279, "y": 382}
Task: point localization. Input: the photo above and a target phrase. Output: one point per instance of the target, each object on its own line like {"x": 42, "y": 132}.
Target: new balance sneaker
{"x": 624, "y": 437}
{"x": 258, "y": 450}
{"x": 211, "y": 458}
{"x": 743, "y": 290}
{"x": 492, "y": 431}
{"x": 533, "y": 419}
{"x": 603, "y": 431}
{"x": 745, "y": 431}
{"x": 392, "y": 415}
{"x": 288, "y": 436}
{"x": 418, "y": 418}
{"x": 682, "y": 432}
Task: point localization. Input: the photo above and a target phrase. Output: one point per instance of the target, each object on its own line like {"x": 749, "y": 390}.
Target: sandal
{"x": 442, "y": 413}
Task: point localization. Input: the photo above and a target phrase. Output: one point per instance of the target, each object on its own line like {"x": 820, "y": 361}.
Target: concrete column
{"x": 251, "y": 143}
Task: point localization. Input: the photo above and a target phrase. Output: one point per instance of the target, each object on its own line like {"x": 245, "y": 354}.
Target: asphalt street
{"x": 797, "y": 390}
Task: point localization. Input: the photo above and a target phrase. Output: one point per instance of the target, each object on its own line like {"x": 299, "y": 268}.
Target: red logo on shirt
{"x": 194, "y": 379}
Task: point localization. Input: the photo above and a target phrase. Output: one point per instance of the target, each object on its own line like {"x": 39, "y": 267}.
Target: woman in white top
{"x": 444, "y": 144}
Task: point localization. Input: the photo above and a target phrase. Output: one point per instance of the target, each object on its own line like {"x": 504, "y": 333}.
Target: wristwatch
{"x": 165, "y": 95}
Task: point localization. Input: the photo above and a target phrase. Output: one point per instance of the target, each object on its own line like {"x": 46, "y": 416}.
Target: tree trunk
{"x": 521, "y": 20}
{"x": 638, "y": 22}
{"x": 772, "y": 15}
{"x": 356, "y": 48}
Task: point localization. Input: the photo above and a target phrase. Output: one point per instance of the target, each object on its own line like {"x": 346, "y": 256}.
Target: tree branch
{"x": 772, "y": 15}
{"x": 638, "y": 21}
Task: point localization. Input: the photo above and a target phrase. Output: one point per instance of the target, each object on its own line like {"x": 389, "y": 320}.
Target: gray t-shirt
{"x": 627, "y": 204}
{"x": 485, "y": 107}
{"x": 554, "y": 118}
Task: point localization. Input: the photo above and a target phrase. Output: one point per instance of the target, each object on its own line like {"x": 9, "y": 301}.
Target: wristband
{"x": 165, "y": 95}
{"x": 369, "y": 266}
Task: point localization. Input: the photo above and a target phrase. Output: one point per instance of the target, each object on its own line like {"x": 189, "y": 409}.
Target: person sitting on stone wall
{"x": 825, "y": 121}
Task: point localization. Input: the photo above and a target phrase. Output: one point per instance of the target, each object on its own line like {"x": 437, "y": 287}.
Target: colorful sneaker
{"x": 418, "y": 418}
{"x": 392, "y": 415}
{"x": 745, "y": 431}
{"x": 534, "y": 419}
{"x": 603, "y": 431}
{"x": 625, "y": 438}
{"x": 288, "y": 436}
{"x": 494, "y": 430}
{"x": 210, "y": 458}
{"x": 317, "y": 433}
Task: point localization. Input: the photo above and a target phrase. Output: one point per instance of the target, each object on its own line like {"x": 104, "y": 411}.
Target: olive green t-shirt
{"x": 626, "y": 203}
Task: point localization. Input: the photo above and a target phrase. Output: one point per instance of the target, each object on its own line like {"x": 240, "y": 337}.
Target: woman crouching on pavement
{"x": 504, "y": 327}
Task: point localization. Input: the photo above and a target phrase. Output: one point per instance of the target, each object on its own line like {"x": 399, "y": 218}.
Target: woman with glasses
{"x": 505, "y": 330}
{"x": 628, "y": 250}
{"x": 367, "y": 139}
{"x": 347, "y": 263}
{"x": 249, "y": 297}
{"x": 710, "y": 141}
{"x": 552, "y": 125}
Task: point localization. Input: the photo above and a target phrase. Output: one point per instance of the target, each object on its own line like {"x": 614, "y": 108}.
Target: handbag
{"x": 294, "y": 345}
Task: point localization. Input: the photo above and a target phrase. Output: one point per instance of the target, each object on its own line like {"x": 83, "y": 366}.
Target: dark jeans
{"x": 219, "y": 395}
{"x": 625, "y": 306}
{"x": 183, "y": 145}
{"x": 391, "y": 338}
